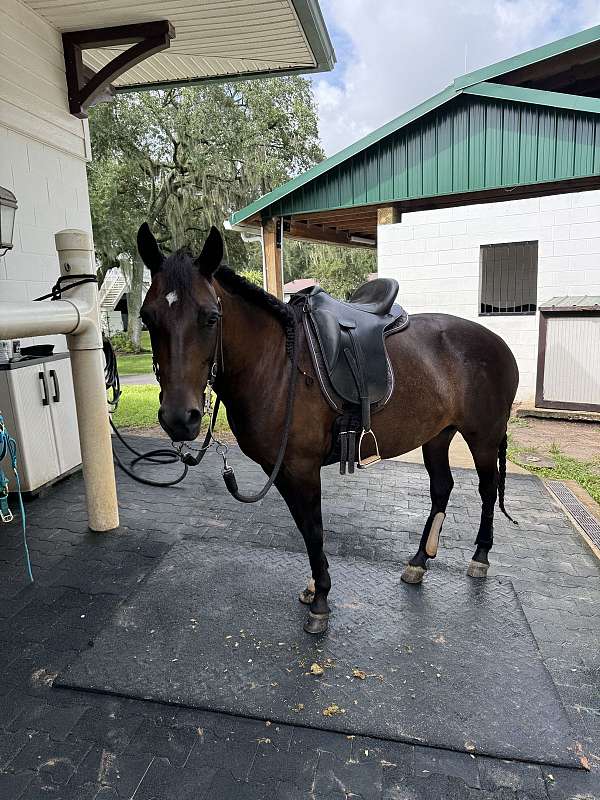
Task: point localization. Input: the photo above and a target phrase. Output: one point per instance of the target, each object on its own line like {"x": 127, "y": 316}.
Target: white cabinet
{"x": 38, "y": 403}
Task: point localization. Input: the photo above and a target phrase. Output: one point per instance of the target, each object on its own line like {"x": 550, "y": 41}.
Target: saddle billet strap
{"x": 343, "y": 451}
{"x": 351, "y": 451}
{"x": 356, "y": 363}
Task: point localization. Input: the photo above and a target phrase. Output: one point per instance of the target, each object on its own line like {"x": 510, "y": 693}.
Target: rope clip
{"x": 6, "y": 514}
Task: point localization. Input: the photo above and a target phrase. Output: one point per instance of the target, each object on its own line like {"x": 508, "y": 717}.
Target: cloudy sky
{"x": 392, "y": 54}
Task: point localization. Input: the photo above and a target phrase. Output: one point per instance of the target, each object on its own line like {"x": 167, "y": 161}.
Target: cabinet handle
{"x": 53, "y": 375}
{"x": 42, "y": 377}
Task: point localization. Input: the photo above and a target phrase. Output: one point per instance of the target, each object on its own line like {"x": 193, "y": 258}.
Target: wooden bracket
{"x": 83, "y": 88}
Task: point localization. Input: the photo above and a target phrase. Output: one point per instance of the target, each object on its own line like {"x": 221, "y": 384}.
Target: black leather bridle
{"x": 229, "y": 478}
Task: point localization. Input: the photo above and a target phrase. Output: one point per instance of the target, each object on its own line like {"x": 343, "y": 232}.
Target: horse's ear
{"x": 148, "y": 249}
{"x": 212, "y": 253}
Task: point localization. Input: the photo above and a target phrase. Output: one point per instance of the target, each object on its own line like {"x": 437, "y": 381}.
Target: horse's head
{"x": 181, "y": 311}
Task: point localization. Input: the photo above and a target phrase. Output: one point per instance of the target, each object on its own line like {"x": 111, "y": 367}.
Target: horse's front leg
{"x": 302, "y": 493}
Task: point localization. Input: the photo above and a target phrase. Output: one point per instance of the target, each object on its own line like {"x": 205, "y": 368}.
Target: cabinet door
{"x": 63, "y": 413}
{"x": 37, "y": 457}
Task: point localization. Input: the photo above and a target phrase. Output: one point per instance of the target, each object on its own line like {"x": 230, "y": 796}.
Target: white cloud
{"x": 393, "y": 54}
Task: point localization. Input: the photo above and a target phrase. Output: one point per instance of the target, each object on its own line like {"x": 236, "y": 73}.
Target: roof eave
{"x": 224, "y": 78}
{"x": 540, "y": 97}
{"x": 313, "y": 26}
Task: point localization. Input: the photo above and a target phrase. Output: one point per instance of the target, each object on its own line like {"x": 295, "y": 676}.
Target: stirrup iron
{"x": 369, "y": 460}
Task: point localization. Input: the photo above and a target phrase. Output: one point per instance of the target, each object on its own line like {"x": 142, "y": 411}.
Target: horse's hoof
{"x": 308, "y": 595}
{"x": 413, "y": 574}
{"x": 477, "y": 570}
{"x": 316, "y": 623}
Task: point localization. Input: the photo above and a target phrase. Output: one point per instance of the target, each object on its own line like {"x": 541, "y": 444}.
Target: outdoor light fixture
{"x": 363, "y": 240}
{"x": 8, "y": 206}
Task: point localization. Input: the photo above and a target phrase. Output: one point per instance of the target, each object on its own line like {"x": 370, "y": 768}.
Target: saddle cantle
{"x": 347, "y": 346}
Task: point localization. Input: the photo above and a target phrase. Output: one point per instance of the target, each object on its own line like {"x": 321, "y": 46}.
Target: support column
{"x": 272, "y": 233}
{"x": 389, "y": 215}
{"x": 76, "y": 258}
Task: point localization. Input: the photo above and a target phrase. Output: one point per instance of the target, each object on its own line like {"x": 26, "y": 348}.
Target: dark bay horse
{"x": 450, "y": 375}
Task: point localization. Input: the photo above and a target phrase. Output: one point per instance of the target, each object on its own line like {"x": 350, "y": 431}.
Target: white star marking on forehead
{"x": 171, "y": 298}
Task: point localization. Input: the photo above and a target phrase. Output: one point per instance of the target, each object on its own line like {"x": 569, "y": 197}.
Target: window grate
{"x": 508, "y": 278}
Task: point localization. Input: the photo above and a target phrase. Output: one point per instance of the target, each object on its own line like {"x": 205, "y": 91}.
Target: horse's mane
{"x": 236, "y": 284}
{"x": 255, "y": 295}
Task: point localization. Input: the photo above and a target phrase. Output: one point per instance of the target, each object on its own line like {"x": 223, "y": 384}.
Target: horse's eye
{"x": 212, "y": 320}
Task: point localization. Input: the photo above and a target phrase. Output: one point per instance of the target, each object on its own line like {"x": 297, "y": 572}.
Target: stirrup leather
{"x": 369, "y": 460}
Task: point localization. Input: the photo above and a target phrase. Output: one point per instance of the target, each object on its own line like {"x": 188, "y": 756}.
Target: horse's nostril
{"x": 194, "y": 416}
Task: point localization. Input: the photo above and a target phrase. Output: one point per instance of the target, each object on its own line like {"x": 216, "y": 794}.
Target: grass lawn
{"x": 586, "y": 473}
{"x": 136, "y": 363}
{"x": 138, "y": 408}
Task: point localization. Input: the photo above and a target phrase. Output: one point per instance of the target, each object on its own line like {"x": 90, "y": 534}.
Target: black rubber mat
{"x": 451, "y": 663}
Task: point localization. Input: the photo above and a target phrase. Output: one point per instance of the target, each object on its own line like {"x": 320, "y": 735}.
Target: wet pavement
{"x": 75, "y": 745}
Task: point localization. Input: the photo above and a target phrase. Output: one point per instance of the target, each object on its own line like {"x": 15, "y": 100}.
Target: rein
{"x": 221, "y": 448}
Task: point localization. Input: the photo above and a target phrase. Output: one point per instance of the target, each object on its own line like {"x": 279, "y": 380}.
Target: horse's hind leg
{"x": 485, "y": 458}
{"x": 435, "y": 456}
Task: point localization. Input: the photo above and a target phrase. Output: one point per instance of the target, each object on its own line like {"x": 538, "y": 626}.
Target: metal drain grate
{"x": 588, "y": 523}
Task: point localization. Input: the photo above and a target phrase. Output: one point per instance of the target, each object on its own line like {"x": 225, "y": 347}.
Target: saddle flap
{"x": 328, "y": 333}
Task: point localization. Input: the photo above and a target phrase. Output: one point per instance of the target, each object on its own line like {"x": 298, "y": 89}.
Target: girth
{"x": 347, "y": 347}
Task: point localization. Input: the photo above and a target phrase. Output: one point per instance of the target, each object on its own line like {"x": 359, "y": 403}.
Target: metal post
{"x": 85, "y": 345}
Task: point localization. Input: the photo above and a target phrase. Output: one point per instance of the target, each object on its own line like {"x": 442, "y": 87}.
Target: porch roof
{"x": 214, "y": 39}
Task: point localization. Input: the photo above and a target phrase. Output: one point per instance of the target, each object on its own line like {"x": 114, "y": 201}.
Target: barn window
{"x": 508, "y": 278}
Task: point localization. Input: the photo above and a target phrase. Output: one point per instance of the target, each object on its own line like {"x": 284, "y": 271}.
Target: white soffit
{"x": 214, "y": 39}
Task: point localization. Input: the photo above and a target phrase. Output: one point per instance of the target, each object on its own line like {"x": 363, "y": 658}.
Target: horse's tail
{"x": 503, "y": 447}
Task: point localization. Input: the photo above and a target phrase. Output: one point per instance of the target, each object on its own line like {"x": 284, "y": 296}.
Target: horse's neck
{"x": 253, "y": 352}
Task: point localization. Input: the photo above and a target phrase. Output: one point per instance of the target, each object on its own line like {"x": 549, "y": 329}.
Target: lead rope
{"x": 8, "y": 446}
{"x": 228, "y": 473}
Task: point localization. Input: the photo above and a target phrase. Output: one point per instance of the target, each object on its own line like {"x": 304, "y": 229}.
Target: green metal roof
{"x": 530, "y": 57}
{"x": 474, "y": 135}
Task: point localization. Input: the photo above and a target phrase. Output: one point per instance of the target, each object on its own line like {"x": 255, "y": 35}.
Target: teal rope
{"x": 8, "y": 446}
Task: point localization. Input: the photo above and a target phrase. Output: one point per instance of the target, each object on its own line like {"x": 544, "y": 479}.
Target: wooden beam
{"x": 389, "y": 215}
{"x": 147, "y": 39}
{"x": 272, "y": 241}
{"x": 314, "y": 233}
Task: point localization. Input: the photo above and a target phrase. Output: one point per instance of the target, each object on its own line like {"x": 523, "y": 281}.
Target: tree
{"x": 340, "y": 270}
{"x": 184, "y": 159}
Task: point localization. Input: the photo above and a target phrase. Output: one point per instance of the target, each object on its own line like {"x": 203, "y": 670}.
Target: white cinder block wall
{"x": 43, "y": 152}
{"x": 434, "y": 255}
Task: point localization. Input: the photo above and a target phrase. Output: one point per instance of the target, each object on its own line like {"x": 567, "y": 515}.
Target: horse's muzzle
{"x": 180, "y": 424}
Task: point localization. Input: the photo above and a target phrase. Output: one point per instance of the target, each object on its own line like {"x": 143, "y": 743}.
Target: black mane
{"x": 255, "y": 295}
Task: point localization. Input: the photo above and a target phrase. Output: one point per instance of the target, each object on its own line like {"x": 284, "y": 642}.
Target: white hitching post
{"x": 85, "y": 346}
{"x": 77, "y": 316}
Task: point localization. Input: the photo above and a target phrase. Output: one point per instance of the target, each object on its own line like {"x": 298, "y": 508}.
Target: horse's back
{"x": 455, "y": 355}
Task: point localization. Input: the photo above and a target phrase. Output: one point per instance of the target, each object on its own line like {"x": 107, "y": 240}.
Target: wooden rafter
{"x": 83, "y": 88}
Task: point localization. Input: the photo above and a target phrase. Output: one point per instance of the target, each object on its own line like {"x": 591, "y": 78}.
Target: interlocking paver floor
{"x": 56, "y": 743}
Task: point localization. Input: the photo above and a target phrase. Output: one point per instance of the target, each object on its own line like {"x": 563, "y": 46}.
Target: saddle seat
{"x": 376, "y": 297}
{"x": 347, "y": 345}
